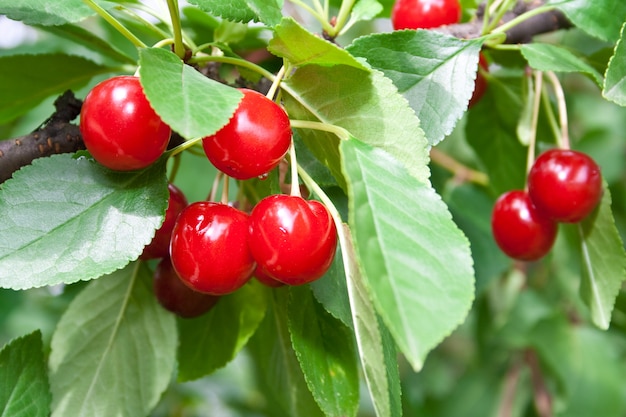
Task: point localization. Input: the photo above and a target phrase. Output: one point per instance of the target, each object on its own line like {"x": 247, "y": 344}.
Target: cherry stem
{"x": 321, "y": 18}
{"x": 215, "y": 186}
{"x": 501, "y": 10}
{"x": 564, "y": 142}
{"x": 182, "y": 147}
{"x": 115, "y": 23}
{"x": 234, "y": 61}
{"x": 147, "y": 24}
{"x": 532, "y": 140}
{"x": 224, "y": 199}
{"x": 460, "y": 171}
{"x": 324, "y": 127}
{"x": 179, "y": 47}
{"x": 522, "y": 18}
{"x": 293, "y": 164}
{"x": 342, "y": 17}
{"x": 175, "y": 167}
{"x": 277, "y": 79}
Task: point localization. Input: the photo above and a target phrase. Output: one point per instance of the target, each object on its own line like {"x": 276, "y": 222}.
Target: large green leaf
{"x": 325, "y": 350}
{"x": 77, "y": 219}
{"x": 435, "y": 73}
{"x": 366, "y": 104}
{"x": 281, "y": 377}
{"x": 211, "y": 341}
{"x": 42, "y": 12}
{"x": 113, "y": 352}
{"x": 24, "y": 389}
{"x": 331, "y": 291}
{"x": 406, "y": 241}
{"x": 29, "y": 79}
{"x": 301, "y": 47}
{"x": 547, "y": 57}
{"x": 600, "y": 18}
{"x": 192, "y": 104}
{"x": 604, "y": 262}
{"x": 615, "y": 81}
{"x": 266, "y": 11}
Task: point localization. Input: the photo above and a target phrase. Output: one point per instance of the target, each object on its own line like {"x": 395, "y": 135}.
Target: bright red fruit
{"x": 292, "y": 239}
{"x": 519, "y": 229}
{"x": 119, "y": 128}
{"x": 209, "y": 248}
{"x": 254, "y": 141}
{"x": 265, "y": 279}
{"x": 159, "y": 247}
{"x": 177, "y": 297}
{"x": 480, "y": 85}
{"x": 565, "y": 185}
{"x": 425, "y": 14}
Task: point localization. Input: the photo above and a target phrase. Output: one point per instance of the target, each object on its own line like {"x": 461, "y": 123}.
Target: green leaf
{"x": 42, "y": 12}
{"x": 24, "y": 389}
{"x": 193, "y": 105}
{"x": 265, "y": 11}
{"x": 600, "y": 18}
{"x": 547, "y": 57}
{"x": 77, "y": 219}
{"x": 366, "y": 104}
{"x": 37, "y": 77}
{"x": 604, "y": 262}
{"x": 615, "y": 81}
{"x": 326, "y": 353}
{"x": 279, "y": 370}
{"x": 300, "y": 47}
{"x": 210, "y": 341}
{"x": 113, "y": 352}
{"x": 434, "y": 72}
{"x": 331, "y": 291}
{"x": 401, "y": 229}
{"x": 365, "y": 10}
{"x": 377, "y": 350}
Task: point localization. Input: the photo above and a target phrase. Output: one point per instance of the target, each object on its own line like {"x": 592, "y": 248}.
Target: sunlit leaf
{"x": 615, "y": 82}
{"x": 599, "y": 18}
{"x": 266, "y": 11}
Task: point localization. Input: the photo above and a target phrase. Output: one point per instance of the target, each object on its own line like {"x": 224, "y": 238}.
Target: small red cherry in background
{"x": 209, "y": 248}
{"x": 519, "y": 229}
{"x": 177, "y": 297}
{"x": 254, "y": 141}
{"x": 565, "y": 185}
{"x": 159, "y": 247}
{"x": 424, "y": 14}
{"x": 480, "y": 85}
{"x": 292, "y": 239}
{"x": 119, "y": 128}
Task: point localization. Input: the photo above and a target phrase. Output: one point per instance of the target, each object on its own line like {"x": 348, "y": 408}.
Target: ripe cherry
{"x": 159, "y": 247}
{"x": 119, "y": 128}
{"x": 265, "y": 279}
{"x": 254, "y": 141}
{"x": 209, "y": 248}
{"x": 480, "y": 85}
{"x": 292, "y": 239}
{"x": 519, "y": 229}
{"x": 177, "y": 297}
{"x": 425, "y": 14}
{"x": 565, "y": 185}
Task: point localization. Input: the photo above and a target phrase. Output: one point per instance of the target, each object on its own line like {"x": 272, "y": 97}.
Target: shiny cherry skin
{"x": 159, "y": 247}
{"x": 209, "y": 248}
{"x": 254, "y": 141}
{"x": 292, "y": 239}
{"x": 264, "y": 278}
{"x": 177, "y": 297}
{"x": 519, "y": 229}
{"x": 480, "y": 85}
{"x": 565, "y": 185}
{"x": 119, "y": 127}
{"x": 424, "y": 14}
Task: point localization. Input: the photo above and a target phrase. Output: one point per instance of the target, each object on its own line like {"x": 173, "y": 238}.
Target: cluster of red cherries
{"x": 563, "y": 186}
{"x": 209, "y": 249}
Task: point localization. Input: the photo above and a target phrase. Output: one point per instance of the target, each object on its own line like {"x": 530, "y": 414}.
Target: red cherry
{"x": 254, "y": 141}
{"x": 159, "y": 247}
{"x": 177, "y": 297}
{"x": 519, "y": 229}
{"x": 425, "y": 14}
{"x": 565, "y": 185}
{"x": 209, "y": 248}
{"x": 293, "y": 240}
{"x": 119, "y": 128}
{"x": 264, "y": 278}
{"x": 480, "y": 85}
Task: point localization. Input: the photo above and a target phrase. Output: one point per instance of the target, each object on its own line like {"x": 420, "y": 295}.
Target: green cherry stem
{"x": 532, "y": 140}
{"x": 179, "y": 47}
{"x": 503, "y": 7}
{"x": 224, "y": 199}
{"x": 324, "y": 127}
{"x": 319, "y": 17}
{"x": 234, "y": 61}
{"x": 342, "y": 17}
{"x": 115, "y": 23}
{"x": 522, "y": 18}
{"x": 564, "y": 142}
{"x": 295, "y": 184}
{"x": 277, "y": 79}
